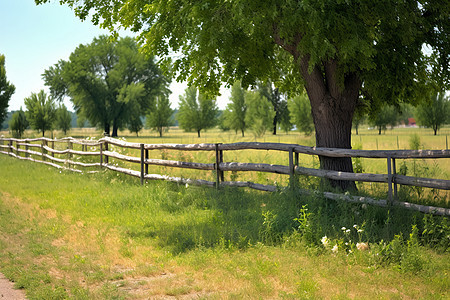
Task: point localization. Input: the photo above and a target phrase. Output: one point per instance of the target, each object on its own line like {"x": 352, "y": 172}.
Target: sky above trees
{"x": 34, "y": 38}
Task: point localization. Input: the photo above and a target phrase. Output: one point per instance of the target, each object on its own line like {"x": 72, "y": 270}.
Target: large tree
{"x": 197, "y": 111}
{"x": 6, "y": 90}
{"x": 41, "y": 111}
{"x": 109, "y": 82}
{"x": 434, "y": 112}
{"x": 337, "y": 50}
{"x": 279, "y": 105}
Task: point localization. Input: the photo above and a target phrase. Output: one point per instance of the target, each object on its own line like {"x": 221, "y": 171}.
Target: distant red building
{"x": 411, "y": 122}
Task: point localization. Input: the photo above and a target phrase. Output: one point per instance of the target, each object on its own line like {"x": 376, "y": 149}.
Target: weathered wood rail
{"x": 45, "y": 150}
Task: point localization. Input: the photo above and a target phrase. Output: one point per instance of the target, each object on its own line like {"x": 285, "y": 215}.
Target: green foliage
{"x": 18, "y": 123}
{"x": 6, "y": 90}
{"x": 196, "y": 112}
{"x": 300, "y": 112}
{"x": 160, "y": 117}
{"x": 234, "y": 116}
{"x": 279, "y": 105}
{"x": 434, "y": 112}
{"x": 414, "y": 142}
{"x": 41, "y": 111}
{"x": 383, "y": 116}
{"x": 260, "y": 113}
{"x": 110, "y": 83}
{"x": 63, "y": 119}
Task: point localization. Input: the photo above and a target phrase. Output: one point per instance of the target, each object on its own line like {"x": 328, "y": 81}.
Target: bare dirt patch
{"x": 7, "y": 290}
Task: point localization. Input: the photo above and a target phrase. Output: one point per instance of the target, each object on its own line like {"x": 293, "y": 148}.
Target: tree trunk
{"x": 379, "y": 130}
{"x": 242, "y": 130}
{"x": 275, "y": 124}
{"x": 198, "y": 133}
{"x": 107, "y": 129}
{"x": 43, "y": 132}
{"x": 160, "y": 130}
{"x": 114, "y": 132}
{"x": 332, "y": 108}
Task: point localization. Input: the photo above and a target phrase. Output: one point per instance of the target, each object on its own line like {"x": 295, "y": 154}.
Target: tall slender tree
{"x": 434, "y": 112}
{"x": 63, "y": 119}
{"x": 18, "y": 123}
{"x": 300, "y": 111}
{"x": 236, "y": 109}
{"x": 197, "y": 112}
{"x": 41, "y": 111}
{"x": 160, "y": 116}
{"x": 6, "y": 90}
{"x": 260, "y": 113}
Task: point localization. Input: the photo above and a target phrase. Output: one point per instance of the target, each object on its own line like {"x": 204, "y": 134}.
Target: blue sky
{"x": 33, "y": 38}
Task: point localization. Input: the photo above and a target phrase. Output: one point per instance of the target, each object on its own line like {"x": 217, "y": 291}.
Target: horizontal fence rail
{"x": 43, "y": 150}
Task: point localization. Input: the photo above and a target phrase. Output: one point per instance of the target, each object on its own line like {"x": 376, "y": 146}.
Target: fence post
{"x": 42, "y": 150}
{"x": 222, "y": 175}
{"x": 217, "y": 166}
{"x": 389, "y": 169}
{"x": 142, "y": 164}
{"x": 26, "y": 149}
{"x": 291, "y": 167}
{"x": 69, "y": 155}
{"x": 106, "y": 156}
{"x": 9, "y": 146}
{"x": 394, "y": 179}
{"x": 101, "y": 154}
{"x": 53, "y": 147}
{"x": 17, "y": 148}
{"x": 146, "y": 158}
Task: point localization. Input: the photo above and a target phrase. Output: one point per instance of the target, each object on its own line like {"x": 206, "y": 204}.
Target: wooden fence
{"x": 45, "y": 150}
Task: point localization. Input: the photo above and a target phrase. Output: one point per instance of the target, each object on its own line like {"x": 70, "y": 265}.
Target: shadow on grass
{"x": 236, "y": 218}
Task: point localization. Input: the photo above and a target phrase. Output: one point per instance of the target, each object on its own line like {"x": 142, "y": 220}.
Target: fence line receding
{"x": 43, "y": 150}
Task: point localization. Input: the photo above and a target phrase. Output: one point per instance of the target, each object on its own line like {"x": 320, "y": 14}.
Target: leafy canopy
{"x": 249, "y": 40}
{"x": 110, "y": 83}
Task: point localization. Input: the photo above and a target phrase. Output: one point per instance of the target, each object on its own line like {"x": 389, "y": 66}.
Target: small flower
{"x": 187, "y": 185}
{"x": 334, "y": 249}
{"x": 325, "y": 241}
{"x": 355, "y": 226}
{"x": 362, "y": 246}
{"x": 343, "y": 228}
{"x": 360, "y": 230}
{"x": 347, "y": 231}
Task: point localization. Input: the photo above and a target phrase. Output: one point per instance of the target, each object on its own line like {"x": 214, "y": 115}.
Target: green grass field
{"x": 103, "y": 236}
{"x": 398, "y": 138}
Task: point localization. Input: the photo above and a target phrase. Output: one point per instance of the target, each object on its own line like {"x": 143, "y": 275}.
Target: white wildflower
{"x": 347, "y": 231}
{"x": 325, "y": 241}
{"x": 343, "y": 228}
{"x": 187, "y": 185}
{"x": 334, "y": 249}
{"x": 355, "y": 226}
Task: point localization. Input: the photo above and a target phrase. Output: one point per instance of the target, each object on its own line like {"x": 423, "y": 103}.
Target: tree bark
{"x": 333, "y": 96}
{"x": 198, "y": 133}
{"x": 332, "y": 106}
{"x": 242, "y": 130}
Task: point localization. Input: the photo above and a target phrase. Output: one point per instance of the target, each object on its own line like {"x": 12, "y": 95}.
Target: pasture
{"x": 103, "y": 236}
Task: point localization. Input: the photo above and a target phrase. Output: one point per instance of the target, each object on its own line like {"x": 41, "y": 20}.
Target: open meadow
{"x": 103, "y": 236}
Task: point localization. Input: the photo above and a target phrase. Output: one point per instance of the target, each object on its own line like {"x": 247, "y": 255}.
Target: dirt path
{"x": 7, "y": 291}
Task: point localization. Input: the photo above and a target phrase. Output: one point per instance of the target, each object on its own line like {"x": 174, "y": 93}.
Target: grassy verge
{"x": 103, "y": 236}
